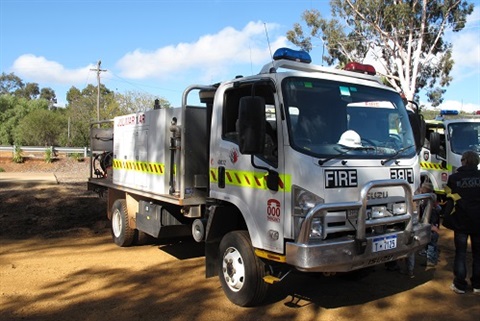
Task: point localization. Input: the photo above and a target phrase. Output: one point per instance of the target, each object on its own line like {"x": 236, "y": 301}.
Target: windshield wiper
{"x": 348, "y": 149}
{"x": 397, "y": 153}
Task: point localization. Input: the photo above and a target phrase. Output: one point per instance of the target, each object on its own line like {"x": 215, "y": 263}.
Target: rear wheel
{"x": 123, "y": 235}
{"x": 241, "y": 271}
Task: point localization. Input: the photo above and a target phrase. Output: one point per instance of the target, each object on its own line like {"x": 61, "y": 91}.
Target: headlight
{"x": 399, "y": 208}
{"x": 379, "y": 211}
{"x": 317, "y": 228}
{"x": 304, "y": 201}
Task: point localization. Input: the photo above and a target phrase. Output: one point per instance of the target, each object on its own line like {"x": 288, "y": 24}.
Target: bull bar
{"x": 349, "y": 253}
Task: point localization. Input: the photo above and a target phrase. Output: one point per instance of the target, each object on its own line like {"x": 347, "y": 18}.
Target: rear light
{"x": 361, "y": 68}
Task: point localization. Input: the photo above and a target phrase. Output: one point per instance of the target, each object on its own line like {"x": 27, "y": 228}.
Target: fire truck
{"x": 446, "y": 140}
{"x": 298, "y": 168}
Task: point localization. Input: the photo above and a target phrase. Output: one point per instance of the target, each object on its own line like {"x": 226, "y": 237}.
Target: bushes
{"x": 17, "y": 155}
{"x": 48, "y": 155}
{"x": 78, "y": 157}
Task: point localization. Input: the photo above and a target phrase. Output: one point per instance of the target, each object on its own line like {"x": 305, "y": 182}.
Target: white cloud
{"x": 210, "y": 54}
{"x": 466, "y": 54}
{"x": 466, "y": 47}
{"x": 40, "y": 69}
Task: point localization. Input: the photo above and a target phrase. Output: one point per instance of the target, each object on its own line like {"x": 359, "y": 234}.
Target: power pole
{"x": 98, "y": 70}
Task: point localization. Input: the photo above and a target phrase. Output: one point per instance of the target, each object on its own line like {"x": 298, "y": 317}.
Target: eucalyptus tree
{"x": 405, "y": 37}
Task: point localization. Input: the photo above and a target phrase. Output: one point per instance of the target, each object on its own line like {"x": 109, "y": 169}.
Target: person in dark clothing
{"x": 463, "y": 206}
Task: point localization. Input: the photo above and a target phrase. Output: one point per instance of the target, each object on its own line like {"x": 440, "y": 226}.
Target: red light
{"x": 361, "y": 68}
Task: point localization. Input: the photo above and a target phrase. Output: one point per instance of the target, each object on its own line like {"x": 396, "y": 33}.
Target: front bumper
{"x": 342, "y": 255}
{"x": 354, "y": 252}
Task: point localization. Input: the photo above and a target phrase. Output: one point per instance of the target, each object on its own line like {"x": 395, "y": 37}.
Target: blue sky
{"x": 162, "y": 46}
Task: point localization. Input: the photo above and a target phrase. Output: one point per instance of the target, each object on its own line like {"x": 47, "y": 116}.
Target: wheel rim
{"x": 116, "y": 223}
{"x": 233, "y": 269}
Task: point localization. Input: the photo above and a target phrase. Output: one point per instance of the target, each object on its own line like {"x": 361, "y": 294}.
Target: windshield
{"x": 464, "y": 136}
{"x": 328, "y": 119}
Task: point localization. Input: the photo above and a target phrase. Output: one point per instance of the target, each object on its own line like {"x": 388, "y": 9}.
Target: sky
{"x": 160, "y": 47}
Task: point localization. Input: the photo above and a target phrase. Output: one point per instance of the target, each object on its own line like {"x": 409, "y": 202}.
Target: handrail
{"x": 37, "y": 149}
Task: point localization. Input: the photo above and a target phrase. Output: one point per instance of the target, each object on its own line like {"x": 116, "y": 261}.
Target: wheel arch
{"x": 222, "y": 218}
{"x": 426, "y": 176}
{"x": 131, "y": 202}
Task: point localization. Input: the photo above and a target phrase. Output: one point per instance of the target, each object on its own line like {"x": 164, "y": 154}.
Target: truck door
{"x": 249, "y": 178}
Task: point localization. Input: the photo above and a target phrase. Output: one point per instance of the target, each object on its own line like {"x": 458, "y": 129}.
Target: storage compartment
{"x": 157, "y": 221}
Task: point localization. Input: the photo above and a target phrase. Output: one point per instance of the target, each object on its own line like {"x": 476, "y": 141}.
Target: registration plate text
{"x": 384, "y": 243}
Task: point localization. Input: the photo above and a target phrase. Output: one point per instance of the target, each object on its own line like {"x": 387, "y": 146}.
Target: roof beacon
{"x": 448, "y": 112}
{"x": 290, "y": 54}
{"x": 361, "y": 68}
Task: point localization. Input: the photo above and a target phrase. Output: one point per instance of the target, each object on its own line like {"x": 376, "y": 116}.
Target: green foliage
{"x": 48, "y": 94}
{"x": 1, "y": 170}
{"x": 41, "y": 127}
{"x": 406, "y": 36}
{"x": 17, "y": 155}
{"x": 28, "y": 116}
{"x": 82, "y": 111}
{"x": 78, "y": 157}
{"x": 48, "y": 155}
{"x": 12, "y": 110}
{"x": 432, "y": 114}
{"x": 9, "y": 83}
{"x": 29, "y": 91}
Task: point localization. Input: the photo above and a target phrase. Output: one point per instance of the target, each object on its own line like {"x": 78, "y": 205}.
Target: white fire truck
{"x": 297, "y": 168}
{"x": 446, "y": 140}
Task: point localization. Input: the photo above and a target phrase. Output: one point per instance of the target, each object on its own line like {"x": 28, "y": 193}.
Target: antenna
{"x": 268, "y": 41}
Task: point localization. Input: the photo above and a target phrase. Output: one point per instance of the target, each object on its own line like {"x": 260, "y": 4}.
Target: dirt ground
{"x": 57, "y": 262}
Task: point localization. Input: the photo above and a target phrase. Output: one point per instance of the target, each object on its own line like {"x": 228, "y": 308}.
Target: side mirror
{"x": 418, "y": 126}
{"x": 434, "y": 143}
{"x": 251, "y": 125}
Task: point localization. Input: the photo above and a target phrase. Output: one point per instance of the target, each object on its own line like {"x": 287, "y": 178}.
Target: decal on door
{"x": 234, "y": 154}
{"x": 273, "y": 210}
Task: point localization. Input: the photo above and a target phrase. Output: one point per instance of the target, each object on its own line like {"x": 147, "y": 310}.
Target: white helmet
{"x": 350, "y": 138}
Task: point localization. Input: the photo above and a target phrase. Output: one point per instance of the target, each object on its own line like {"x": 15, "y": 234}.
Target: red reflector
{"x": 362, "y": 68}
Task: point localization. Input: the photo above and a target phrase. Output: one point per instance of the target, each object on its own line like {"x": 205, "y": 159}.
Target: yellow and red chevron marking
{"x": 434, "y": 166}
{"x": 143, "y": 167}
{"x": 249, "y": 179}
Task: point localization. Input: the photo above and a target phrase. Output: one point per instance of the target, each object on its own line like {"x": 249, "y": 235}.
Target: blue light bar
{"x": 448, "y": 112}
{"x": 290, "y": 54}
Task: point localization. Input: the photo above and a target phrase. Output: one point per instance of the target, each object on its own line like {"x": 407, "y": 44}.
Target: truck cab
{"x": 446, "y": 140}
{"x": 319, "y": 165}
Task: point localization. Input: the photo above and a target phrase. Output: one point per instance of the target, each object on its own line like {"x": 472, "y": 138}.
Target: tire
{"x": 241, "y": 272}
{"x": 122, "y": 234}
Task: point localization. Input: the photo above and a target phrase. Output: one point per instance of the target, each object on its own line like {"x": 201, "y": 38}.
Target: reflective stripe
{"x": 434, "y": 166}
{"x": 250, "y": 179}
{"x": 143, "y": 167}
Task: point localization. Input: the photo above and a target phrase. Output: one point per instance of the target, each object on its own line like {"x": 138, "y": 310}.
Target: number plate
{"x": 384, "y": 243}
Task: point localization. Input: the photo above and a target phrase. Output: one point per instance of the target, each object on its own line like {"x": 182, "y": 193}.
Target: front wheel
{"x": 123, "y": 235}
{"x": 241, "y": 271}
